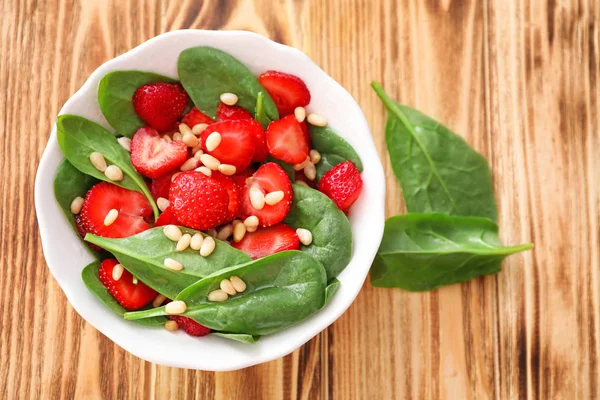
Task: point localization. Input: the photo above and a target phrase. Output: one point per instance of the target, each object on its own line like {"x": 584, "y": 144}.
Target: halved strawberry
{"x": 132, "y": 296}
{"x": 134, "y": 211}
{"x": 82, "y": 230}
{"x": 154, "y": 157}
{"x": 237, "y": 141}
{"x": 286, "y": 141}
{"x": 270, "y": 177}
{"x": 232, "y": 190}
{"x": 190, "y": 326}
{"x": 266, "y": 241}
{"x": 342, "y": 184}
{"x": 166, "y": 218}
{"x": 159, "y": 187}
{"x": 287, "y": 91}
{"x": 198, "y": 201}
{"x": 306, "y": 132}
{"x": 240, "y": 177}
{"x": 160, "y": 104}
{"x": 195, "y": 117}
{"x": 225, "y": 112}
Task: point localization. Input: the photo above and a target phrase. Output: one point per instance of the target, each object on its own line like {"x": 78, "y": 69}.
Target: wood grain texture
{"x": 519, "y": 79}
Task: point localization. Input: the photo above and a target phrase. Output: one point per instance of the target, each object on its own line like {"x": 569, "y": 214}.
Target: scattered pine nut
{"x": 76, "y": 205}
{"x": 198, "y": 128}
{"x": 98, "y": 161}
{"x": 251, "y": 229}
{"x": 162, "y": 203}
{"x": 211, "y": 232}
{"x": 167, "y": 138}
{"x": 185, "y": 129}
{"x": 274, "y": 197}
{"x": 213, "y": 141}
{"x": 217, "y": 295}
{"x": 175, "y": 175}
{"x": 171, "y": 325}
{"x": 177, "y": 136}
{"x": 300, "y": 113}
{"x": 158, "y": 300}
{"x": 114, "y": 173}
{"x": 310, "y": 171}
{"x": 184, "y": 242}
{"x": 225, "y": 232}
{"x": 227, "y": 169}
{"x": 125, "y": 142}
{"x": 134, "y": 280}
{"x": 198, "y": 154}
{"x": 257, "y": 198}
{"x": 299, "y": 182}
{"x": 239, "y": 231}
{"x": 117, "y": 272}
{"x": 210, "y": 161}
{"x": 173, "y": 264}
{"x": 176, "y": 307}
{"x": 208, "y": 246}
{"x": 316, "y": 119}
{"x": 204, "y": 170}
{"x": 251, "y": 221}
{"x": 196, "y": 242}
{"x": 190, "y": 164}
{"x": 235, "y": 222}
{"x": 315, "y": 156}
{"x": 229, "y": 98}
{"x": 227, "y": 287}
{"x": 298, "y": 167}
{"x": 190, "y": 140}
{"x": 305, "y": 236}
{"x": 238, "y": 284}
{"x": 111, "y": 217}
{"x": 172, "y": 232}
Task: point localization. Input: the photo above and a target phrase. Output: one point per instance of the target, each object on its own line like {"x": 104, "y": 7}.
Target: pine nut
{"x": 227, "y": 287}
{"x": 158, "y": 300}
{"x": 196, "y": 149}
{"x": 217, "y": 295}
{"x": 239, "y": 231}
{"x": 162, "y": 203}
{"x": 167, "y": 138}
{"x": 125, "y": 142}
{"x": 208, "y": 246}
{"x": 177, "y": 136}
{"x": 204, "y": 170}
{"x": 184, "y": 242}
{"x": 171, "y": 325}
{"x": 198, "y": 129}
{"x": 225, "y": 232}
{"x": 134, "y": 280}
{"x": 229, "y": 98}
{"x": 300, "y": 113}
{"x": 196, "y": 242}
{"x": 227, "y": 169}
{"x": 176, "y": 307}
{"x": 117, "y": 272}
{"x": 310, "y": 171}
{"x": 238, "y": 284}
{"x": 198, "y": 154}
{"x": 190, "y": 164}
{"x": 211, "y": 232}
{"x": 172, "y": 232}
{"x": 111, "y": 217}
{"x": 190, "y": 140}
{"x": 76, "y": 205}
{"x": 210, "y": 161}
{"x": 98, "y": 161}
{"x": 315, "y": 156}
{"x": 299, "y": 182}
{"x": 304, "y": 235}
{"x": 257, "y": 198}
{"x": 251, "y": 229}
{"x": 175, "y": 175}
{"x": 185, "y": 129}
{"x": 114, "y": 173}
{"x": 298, "y": 167}
{"x": 274, "y": 197}
{"x": 213, "y": 141}
{"x": 173, "y": 264}
{"x": 235, "y": 222}
{"x": 251, "y": 221}
{"x": 316, "y": 119}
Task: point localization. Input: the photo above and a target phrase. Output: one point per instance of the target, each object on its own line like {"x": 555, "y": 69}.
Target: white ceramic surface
{"x": 66, "y": 256}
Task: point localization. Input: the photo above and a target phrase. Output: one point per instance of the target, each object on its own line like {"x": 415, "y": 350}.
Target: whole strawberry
{"x": 160, "y": 104}
{"x": 190, "y": 326}
{"x": 198, "y": 201}
{"x": 342, "y": 184}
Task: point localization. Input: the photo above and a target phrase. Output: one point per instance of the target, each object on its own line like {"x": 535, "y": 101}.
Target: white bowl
{"x": 66, "y": 255}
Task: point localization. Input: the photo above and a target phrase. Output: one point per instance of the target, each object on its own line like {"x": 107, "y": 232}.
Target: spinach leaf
{"x": 331, "y": 290}
{"x": 69, "y": 183}
{"x": 89, "y": 275}
{"x": 79, "y": 137}
{"x": 144, "y": 254}
{"x": 333, "y": 148}
{"x": 425, "y": 251}
{"x": 259, "y": 113}
{"x": 282, "y": 290}
{"x": 206, "y": 73}
{"x": 238, "y": 337}
{"x": 331, "y": 232}
{"x": 437, "y": 169}
{"x": 114, "y": 97}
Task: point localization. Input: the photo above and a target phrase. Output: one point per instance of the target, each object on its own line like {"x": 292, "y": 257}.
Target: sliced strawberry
{"x": 270, "y": 177}
{"x": 166, "y": 218}
{"x": 240, "y": 177}
{"x": 159, "y": 187}
{"x": 300, "y": 176}
{"x": 132, "y": 296}
{"x": 306, "y": 132}
{"x": 233, "y": 191}
{"x": 225, "y": 112}
{"x": 237, "y": 142}
{"x": 287, "y": 91}
{"x": 190, "y": 326}
{"x": 266, "y": 241}
{"x": 82, "y": 230}
{"x": 154, "y": 157}
{"x": 198, "y": 201}
{"x": 342, "y": 184}
{"x": 195, "y": 117}
{"x": 160, "y": 104}
{"x": 134, "y": 211}
{"x": 286, "y": 141}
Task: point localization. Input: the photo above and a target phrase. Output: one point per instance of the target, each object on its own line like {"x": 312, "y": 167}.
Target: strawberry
{"x": 154, "y": 157}
{"x": 232, "y": 190}
{"x": 198, "y": 201}
{"x": 132, "y": 296}
{"x": 134, "y": 211}
{"x": 342, "y": 184}
{"x": 195, "y": 117}
{"x": 286, "y": 141}
{"x": 287, "y": 91}
{"x": 160, "y": 104}
{"x": 166, "y": 218}
{"x": 266, "y": 241}
{"x": 306, "y": 132}
{"x": 225, "y": 112}
{"x": 82, "y": 230}
{"x": 270, "y": 177}
{"x": 240, "y": 177}
{"x": 190, "y": 326}
{"x": 237, "y": 142}
{"x": 159, "y": 187}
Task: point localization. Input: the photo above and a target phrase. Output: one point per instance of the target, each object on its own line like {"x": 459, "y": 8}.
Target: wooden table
{"x": 518, "y": 78}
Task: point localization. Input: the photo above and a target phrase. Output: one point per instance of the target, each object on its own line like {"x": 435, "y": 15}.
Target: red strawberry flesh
{"x": 195, "y": 117}
{"x": 154, "y": 157}
{"x": 342, "y": 184}
{"x": 132, "y": 296}
{"x": 237, "y": 142}
{"x": 266, "y": 241}
{"x": 190, "y": 326}
{"x": 286, "y": 141}
{"x": 287, "y": 91}
{"x": 160, "y": 104}
{"x": 225, "y": 112}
